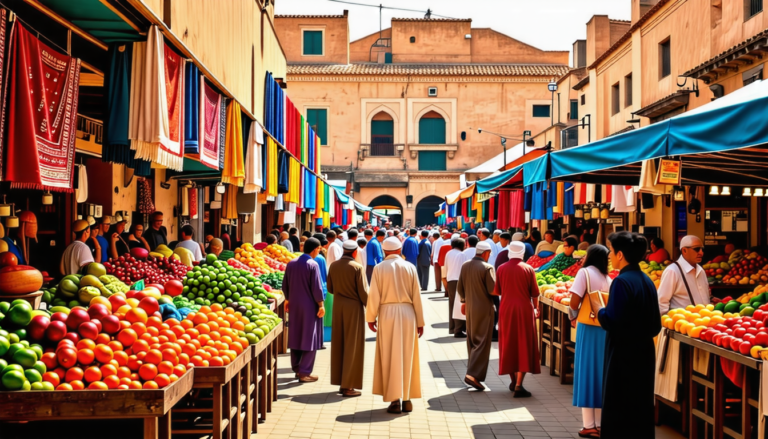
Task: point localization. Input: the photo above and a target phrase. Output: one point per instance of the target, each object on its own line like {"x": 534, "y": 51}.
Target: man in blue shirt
{"x": 103, "y": 243}
{"x": 373, "y": 252}
{"x": 411, "y": 248}
{"x": 424, "y": 260}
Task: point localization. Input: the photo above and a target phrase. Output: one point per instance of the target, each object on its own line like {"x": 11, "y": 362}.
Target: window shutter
{"x": 431, "y": 131}
{"x": 432, "y": 161}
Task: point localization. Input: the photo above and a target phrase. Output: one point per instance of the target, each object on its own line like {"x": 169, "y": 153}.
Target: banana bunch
{"x": 735, "y": 257}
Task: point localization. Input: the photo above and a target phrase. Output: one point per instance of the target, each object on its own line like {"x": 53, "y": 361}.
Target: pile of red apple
{"x": 746, "y": 335}
{"x": 153, "y": 270}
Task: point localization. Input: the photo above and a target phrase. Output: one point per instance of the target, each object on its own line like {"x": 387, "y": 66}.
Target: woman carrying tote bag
{"x": 592, "y": 278}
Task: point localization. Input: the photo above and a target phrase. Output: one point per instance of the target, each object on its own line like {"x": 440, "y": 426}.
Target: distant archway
{"x": 425, "y": 210}
{"x": 389, "y": 206}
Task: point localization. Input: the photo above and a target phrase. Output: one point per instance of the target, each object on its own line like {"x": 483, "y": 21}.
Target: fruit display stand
{"x": 218, "y": 403}
{"x": 715, "y": 407}
{"x": 557, "y": 348}
{"x": 154, "y": 406}
{"x": 264, "y": 372}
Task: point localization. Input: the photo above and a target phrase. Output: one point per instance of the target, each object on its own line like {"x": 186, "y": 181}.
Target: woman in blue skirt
{"x": 590, "y": 341}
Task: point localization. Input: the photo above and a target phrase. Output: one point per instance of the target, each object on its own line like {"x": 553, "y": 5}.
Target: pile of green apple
{"x": 21, "y": 367}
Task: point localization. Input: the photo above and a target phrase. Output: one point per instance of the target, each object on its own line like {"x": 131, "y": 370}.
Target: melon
{"x": 20, "y": 279}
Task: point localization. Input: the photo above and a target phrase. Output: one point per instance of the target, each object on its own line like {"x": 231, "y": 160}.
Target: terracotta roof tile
{"x": 696, "y": 70}
{"x": 309, "y": 16}
{"x": 555, "y": 70}
{"x": 433, "y": 19}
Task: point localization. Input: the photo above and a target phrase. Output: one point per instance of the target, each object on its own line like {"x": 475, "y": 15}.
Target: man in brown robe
{"x": 347, "y": 283}
{"x": 475, "y": 288}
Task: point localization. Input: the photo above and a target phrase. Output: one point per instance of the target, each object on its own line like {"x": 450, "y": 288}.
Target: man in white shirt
{"x": 187, "y": 232}
{"x": 469, "y": 252}
{"x": 439, "y": 242}
{"x": 335, "y": 252}
{"x": 77, "y": 254}
{"x": 548, "y": 244}
{"x": 453, "y": 262}
{"x": 485, "y": 235}
{"x": 672, "y": 289}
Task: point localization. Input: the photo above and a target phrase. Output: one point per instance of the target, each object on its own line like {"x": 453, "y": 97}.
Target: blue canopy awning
{"x": 361, "y": 207}
{"x": 495, "y": 181}
{"x": 714, "y": 137}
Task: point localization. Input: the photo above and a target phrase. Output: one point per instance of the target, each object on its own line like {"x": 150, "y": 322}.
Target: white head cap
{"x": 482, "y": 247}
{"x": 689, "y": 241}
{"x": 349, "y": 245}
{"x": 455, "y": 236}
{"x": 497, "y": 232}
{"x": 391, "y": 244}
{"x": 517, "y": 236}
{"x": 516, "y": 250}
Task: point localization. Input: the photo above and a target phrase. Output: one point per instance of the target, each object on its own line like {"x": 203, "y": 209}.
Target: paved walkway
{"x": 447, "y": 410}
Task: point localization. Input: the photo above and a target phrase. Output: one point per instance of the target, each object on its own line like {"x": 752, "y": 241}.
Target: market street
{"x": 448, "y": 409}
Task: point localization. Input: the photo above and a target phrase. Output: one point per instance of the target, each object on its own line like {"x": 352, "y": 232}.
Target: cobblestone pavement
{"x": 447, "y": 410}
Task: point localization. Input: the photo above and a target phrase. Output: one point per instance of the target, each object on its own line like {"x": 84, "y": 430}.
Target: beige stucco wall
{"x": 436, "y": 41}
{"x": 490, "y": 46}
{"x": 335, "y": 38}
{"x": 360, "y": 50}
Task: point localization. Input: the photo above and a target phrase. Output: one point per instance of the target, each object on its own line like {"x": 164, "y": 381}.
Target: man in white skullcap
{"x": 475, "y": 289}
{"x": 684, "y": 282}
{"x": 348, "y": 287}
{"x": 485, "y": 235}
{"x": 394, "y": 300}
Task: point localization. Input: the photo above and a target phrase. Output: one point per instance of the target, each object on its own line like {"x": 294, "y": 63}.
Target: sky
{"x": 545, "y": 24}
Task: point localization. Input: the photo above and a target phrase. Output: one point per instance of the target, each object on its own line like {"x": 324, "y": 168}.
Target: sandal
{"x": 407, "y": 406}
{"x": 520, "y": 392}
{"x": 474, "y": 383}
{"x": 394, "y": 408}
{"x": 589, "y": 432}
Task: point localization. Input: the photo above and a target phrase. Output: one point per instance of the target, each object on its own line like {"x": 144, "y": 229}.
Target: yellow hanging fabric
{"x": 294, "y": 182}
{"x": 271, "y": 167}
{"x": 558, "y": 208}
{"x": 234, "y": 163}
{"x": 229, "y": 205}
{"x": 326, "y": 219}
{"x": 320, "y": 200}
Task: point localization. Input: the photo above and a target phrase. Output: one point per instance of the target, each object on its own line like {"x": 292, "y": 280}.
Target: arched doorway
{"x": 425, "y": 210}
{"x": 389, "y": 206}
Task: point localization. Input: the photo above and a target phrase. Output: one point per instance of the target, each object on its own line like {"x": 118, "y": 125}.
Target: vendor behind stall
{"x": 658, "y": 253}
{"x": 77, "y": 254}
{"x": 684, "y": 282}
{"x": 156, "y": 234}
{"x": 549, "y": 244}
{"x": 102, "y": 237}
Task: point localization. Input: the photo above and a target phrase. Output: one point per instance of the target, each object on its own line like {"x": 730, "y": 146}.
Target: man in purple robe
{"x": 303, "y": 288}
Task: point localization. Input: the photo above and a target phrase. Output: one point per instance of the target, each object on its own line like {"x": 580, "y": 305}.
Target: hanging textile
{"x": 209, "y": 126}
{"x": 282, "y": 172}
{"x": 145, "y": 204}
{"x": 223, "y": 123}
{"x": 81, "y": 190}
{"x": 40, "y": 149}
{"x": 193, "y": 203}
{"x": 184, "y": 201}
{"x": 192, "y": 84}
{"x": 294, "y": 180}
{"x": 516, "y": 211}
{"x": 234, "y": 164}
{"x": 253, "y": 171}
{"x": 156, "y": 120}
{"x": 271, "y": 168}
{"x": 116, "y": 147}
{"x": 229, "y": 205}
{"x": 568, "y": 205}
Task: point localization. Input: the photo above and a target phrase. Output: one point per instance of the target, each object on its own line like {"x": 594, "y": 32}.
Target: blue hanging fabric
{"x": 568, "y": 208}
{"x": 192, "y": 87}
{"x": 538, "y": 203}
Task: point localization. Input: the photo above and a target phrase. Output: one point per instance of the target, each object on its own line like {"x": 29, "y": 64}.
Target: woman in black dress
{"x": 631, "y": 319}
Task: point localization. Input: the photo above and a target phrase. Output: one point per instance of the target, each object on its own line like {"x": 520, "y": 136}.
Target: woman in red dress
{"x": 518, "y": 342}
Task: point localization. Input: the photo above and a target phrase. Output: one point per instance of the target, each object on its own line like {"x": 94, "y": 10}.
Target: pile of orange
{"x": 147, "y": 353}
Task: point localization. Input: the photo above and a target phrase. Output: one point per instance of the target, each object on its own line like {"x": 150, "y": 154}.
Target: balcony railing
{"x": 382, "y": 146}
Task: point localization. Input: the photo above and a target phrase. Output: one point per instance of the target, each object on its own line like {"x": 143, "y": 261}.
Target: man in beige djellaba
{"x": 394, "y": 311}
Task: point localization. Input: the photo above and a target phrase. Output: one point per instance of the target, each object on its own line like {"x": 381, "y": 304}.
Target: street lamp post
{"x": 527, "y": 140}
{"x": 552, "y": 86}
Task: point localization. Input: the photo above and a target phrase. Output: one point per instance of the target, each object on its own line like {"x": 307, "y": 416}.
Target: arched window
{"x": 382, "y": 135}
{"x": 432, "y": 132}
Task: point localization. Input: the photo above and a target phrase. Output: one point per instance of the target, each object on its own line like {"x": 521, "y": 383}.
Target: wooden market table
{"x": 218, "y": 403}
{"x": 722, "y": 408}
{"x": 282, "y": 340}
{"x": 557, "y": 350}
{"x": 154, "y": 406}
{"x": 263, "y": 390}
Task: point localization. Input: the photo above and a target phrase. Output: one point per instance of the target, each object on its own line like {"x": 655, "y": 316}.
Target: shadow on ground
{"x": 369, "y": 417}
{"x": 448, "y": 339}
{"x": 443, "y": 325}
{"x": 318, "y": 398}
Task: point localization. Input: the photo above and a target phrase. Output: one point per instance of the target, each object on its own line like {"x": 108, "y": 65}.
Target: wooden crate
{"x": 555, "y": 336}
{"x": 264, "y": 373}
{"x": 154, "y": 406}
{"x": 218, "y": 403}
{"x": 715, "y": 407}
